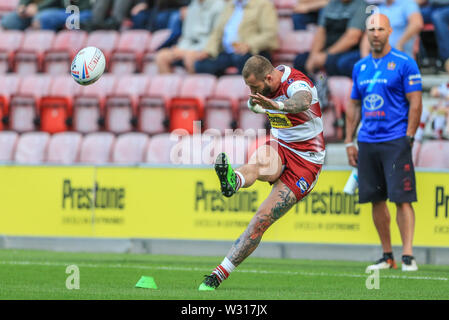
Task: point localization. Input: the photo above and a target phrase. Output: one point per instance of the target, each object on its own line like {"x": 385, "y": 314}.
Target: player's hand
{"x": 353, "y": 155}
{"x": 264, "y": 102}
{"x": 400, "y": 46}
{"x": 240, "y": 48}
{"x": 202, "y": 55}
{"x": 31, "y": 10}
{"x": 21, "y": 10}
{"x": 310, "y": 65}
{"x": 320, "y": 60}
{"x": 301, "y": 8}
{"x": 138, "y": 8}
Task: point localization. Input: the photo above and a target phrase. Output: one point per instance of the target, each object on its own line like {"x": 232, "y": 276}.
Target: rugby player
{"x": 291, "y": 161}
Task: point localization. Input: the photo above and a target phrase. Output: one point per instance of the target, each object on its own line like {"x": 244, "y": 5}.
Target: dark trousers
{"x": 301, "y": 20}
{"x": 218, "y": 65}
{"x": 439, "y": 17}
{"x": 336, "y": 64}
{"x": 118, "y": 10}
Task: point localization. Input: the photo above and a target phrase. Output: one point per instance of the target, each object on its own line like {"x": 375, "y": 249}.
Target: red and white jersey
{"x": 301, "y": 132}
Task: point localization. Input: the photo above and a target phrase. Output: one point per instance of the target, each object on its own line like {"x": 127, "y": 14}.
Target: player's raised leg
{"x": 279, "y": 201}
{"x": 264, "y": 165}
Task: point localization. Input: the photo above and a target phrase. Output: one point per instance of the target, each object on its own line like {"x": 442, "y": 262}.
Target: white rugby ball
{"x": 88, "y": 65}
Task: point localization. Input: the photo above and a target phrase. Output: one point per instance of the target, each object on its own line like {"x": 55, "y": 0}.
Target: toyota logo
{"x": 373, "y": 102}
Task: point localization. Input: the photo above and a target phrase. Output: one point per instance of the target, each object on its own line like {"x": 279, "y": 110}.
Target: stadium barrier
{"x": 185, "y": 203}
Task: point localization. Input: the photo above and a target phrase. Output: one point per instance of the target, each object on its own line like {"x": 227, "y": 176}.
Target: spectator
{"x": 406, "y": 21}
{"x": 54, "y": 18}
{"x": 107, "y": 14}
{"x": 437, "y": 13}
{"x": 336, "y": 44}
{"x": 198, "y": 24}
{"x": 154, "y": 15}
{"x": 306, "y": 12}
{"x": 437, "y": 114}
{"x": 245, "y": 28}
{"x": 27, "y": 12}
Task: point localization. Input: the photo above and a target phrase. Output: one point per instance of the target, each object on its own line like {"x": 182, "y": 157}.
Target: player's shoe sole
{"x": 225, "y": 174}
{"x": 204, "y": 287}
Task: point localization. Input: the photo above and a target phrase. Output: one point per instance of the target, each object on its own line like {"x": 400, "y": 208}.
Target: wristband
{"x": 350, "y": 144}
{"x": 281, "y": 105}
{"x": 255, "y": 107}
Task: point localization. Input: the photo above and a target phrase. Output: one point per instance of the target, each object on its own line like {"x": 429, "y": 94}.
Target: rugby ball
{"x": 88, "y": 65}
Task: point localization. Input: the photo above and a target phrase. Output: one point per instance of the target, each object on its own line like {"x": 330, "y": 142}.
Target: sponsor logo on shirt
{"x": 414, "y": 79}
{"x": 391, "y": 66}
{"x": 373, "y": 102}
{"x": 371, "y": 81}
{"x": 303, "y": 185}
{"x": 279, "y": 120}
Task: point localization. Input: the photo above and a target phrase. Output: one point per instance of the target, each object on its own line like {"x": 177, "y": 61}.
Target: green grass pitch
{"x": 37, "y": 275}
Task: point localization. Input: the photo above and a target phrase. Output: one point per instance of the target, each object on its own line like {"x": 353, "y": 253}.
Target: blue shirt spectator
{"x": 403, "y": 15}
{"x": 231, "y": 30}
{"x": 382, "y": 85}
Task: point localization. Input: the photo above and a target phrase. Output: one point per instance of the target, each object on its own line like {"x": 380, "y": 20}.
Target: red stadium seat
{"x": 153, "y": 104}
{"x": 97, "y": 147}
{"x": 193, "y": 149}
{"x": 6, "y": 6}
{"x": 90, "y": 103}
{"x": 104, "y": 40}
{"x": 189, "y": 105}
{"x": 29, "y": 57}
{"x": 329, "y": 123}
{"x": 285, "y": 25}
{"x": 66, "y": 45}
{"x": 222, "y": 108}
{"x": 157, "y": 38}
{"x": 56, "y": 109}
{"x": 160, "y": 148}
{"x": 127, "y": 57}
{"x": 291, "y": 44}
{"x": 235, "y": 146}
{"x": 130, "y": 148}
{"x": 9, "y": 85}
{"x": 31, "y": 147}
{"x": 285, "y": 7}
{"x": 249, "y": 120}
{"x": 121, "y": 106}
{"x": 25, "y": 104}
{"x": 64, "y": 148}
{"x": 340, "y": 94}
{"x": 256, "y": 143}
{"x": 10, "y": 42}
{"x": 8, "y": 141}
{"x": 252, "y": 121}
{"x": 434, "y": 154}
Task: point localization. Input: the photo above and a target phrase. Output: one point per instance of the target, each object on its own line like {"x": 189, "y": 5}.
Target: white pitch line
{"x": 170, "y": 268}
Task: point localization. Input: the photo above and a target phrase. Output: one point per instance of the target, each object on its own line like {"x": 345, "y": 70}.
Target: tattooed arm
{"x": 300, "y": 101}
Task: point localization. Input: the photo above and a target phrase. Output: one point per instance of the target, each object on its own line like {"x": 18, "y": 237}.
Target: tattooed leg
{"x": 280, "y": 200}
